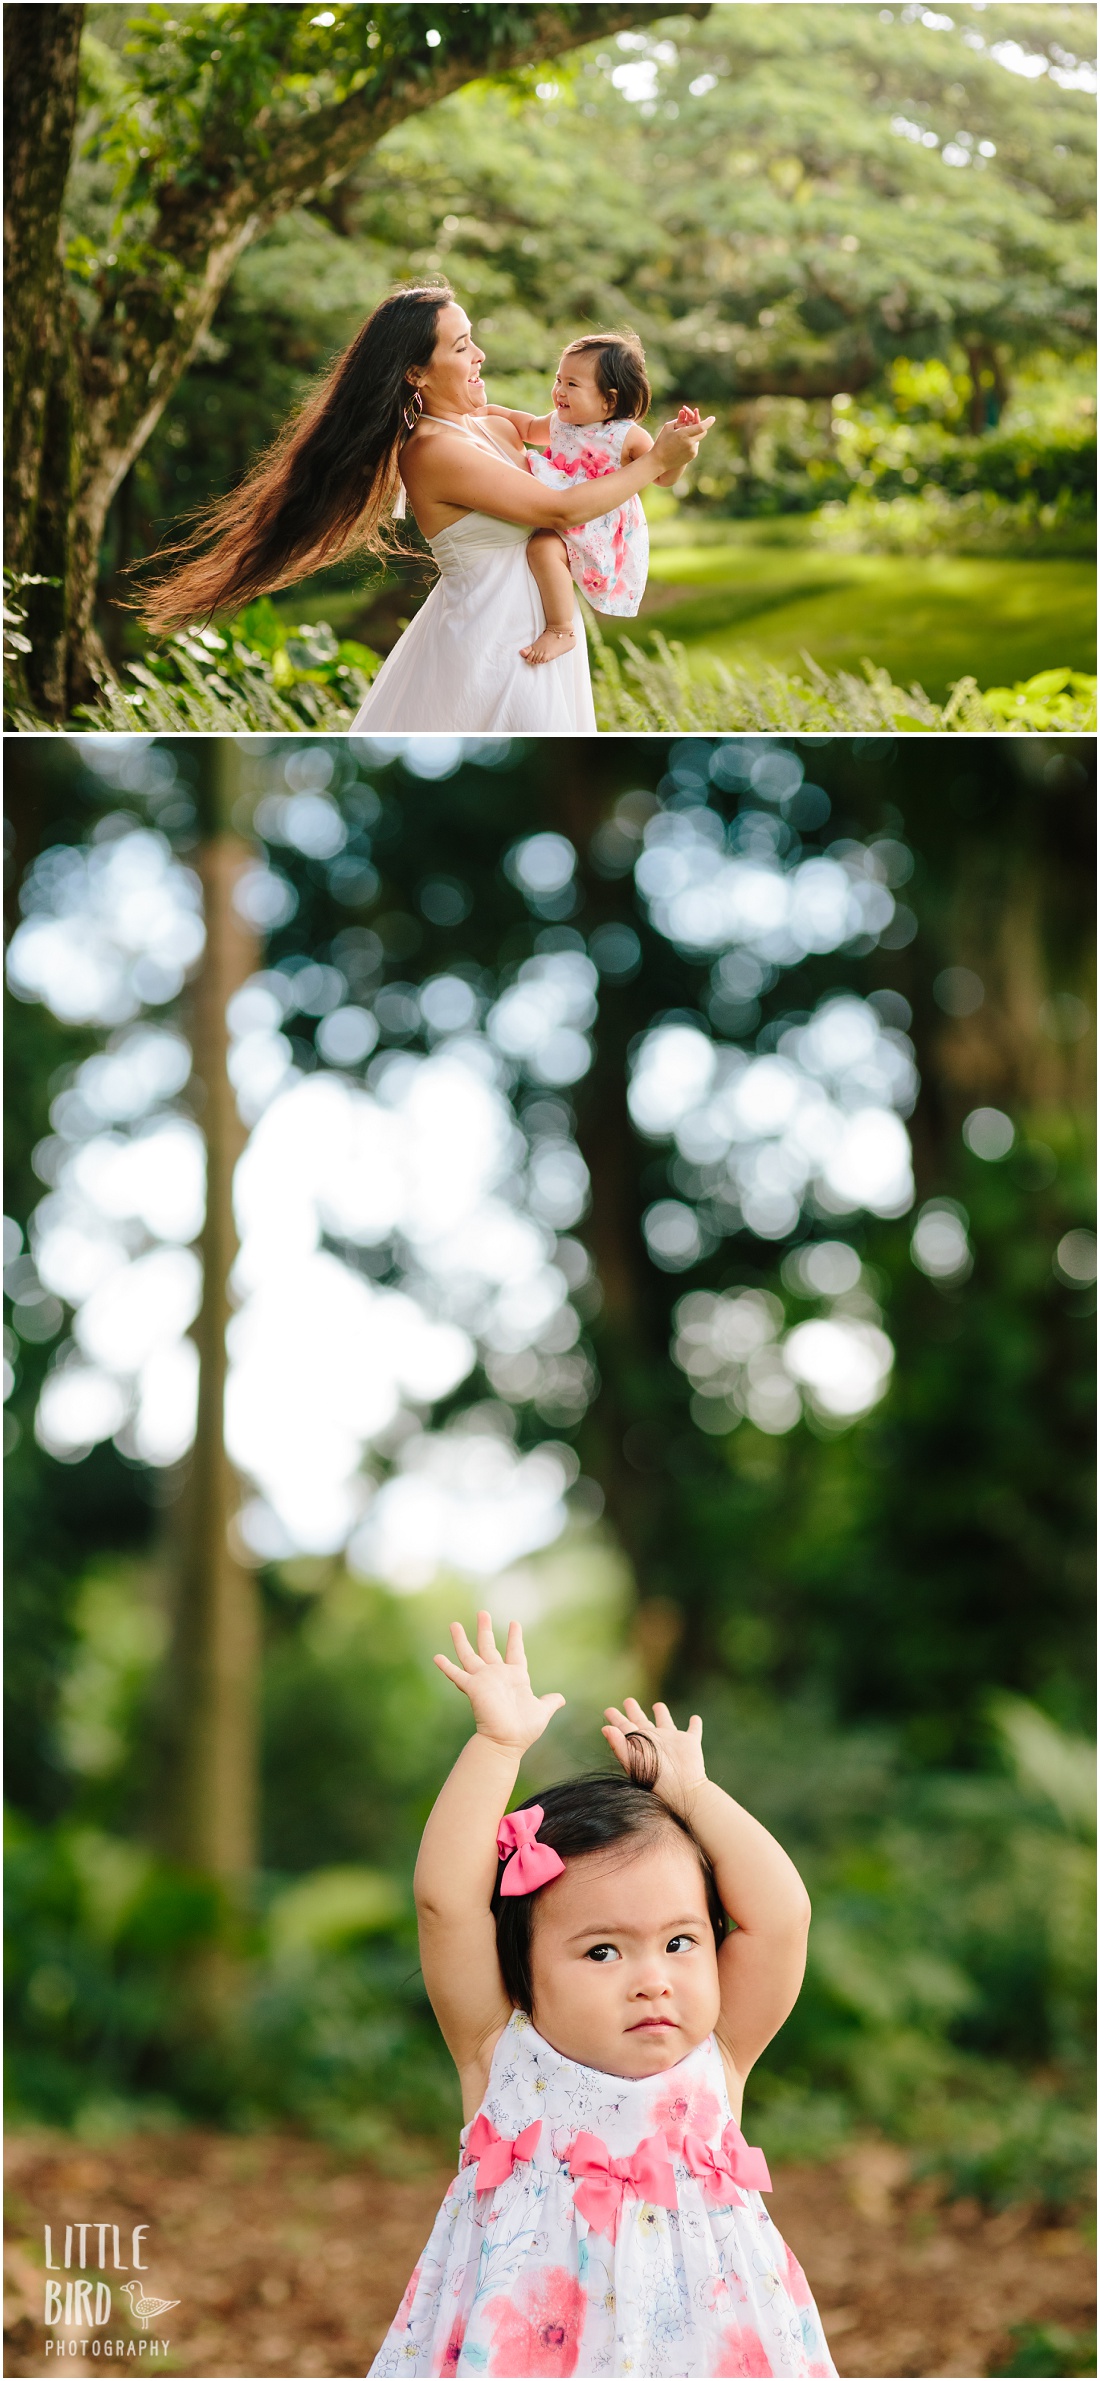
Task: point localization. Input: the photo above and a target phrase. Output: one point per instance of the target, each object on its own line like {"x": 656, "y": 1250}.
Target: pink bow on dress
{"x": 726, "y": 2172}
{"x": 532, "y": 1864}
{"x": 603, "y": 2181}
{"x": 493, "y": 2154}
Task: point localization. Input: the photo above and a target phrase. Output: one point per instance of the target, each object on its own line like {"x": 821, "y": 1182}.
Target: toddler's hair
{"x": 586, "y": 1814}
{"x": 620, "y": 371}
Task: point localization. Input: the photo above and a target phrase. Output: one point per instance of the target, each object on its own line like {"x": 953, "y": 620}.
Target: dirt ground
{"x": 285, "y": 2258}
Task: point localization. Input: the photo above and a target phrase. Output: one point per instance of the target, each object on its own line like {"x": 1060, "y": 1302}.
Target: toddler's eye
{"x": 686, "y": 1942}
{"x": 602, "y": 1952}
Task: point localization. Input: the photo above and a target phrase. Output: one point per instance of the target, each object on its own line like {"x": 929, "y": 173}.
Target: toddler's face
{"x": 577, "y": 395}
{"x": 624, "y": 1964}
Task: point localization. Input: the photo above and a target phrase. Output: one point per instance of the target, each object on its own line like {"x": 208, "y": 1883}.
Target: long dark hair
{"x": 322, "y": 489}
{"x": 586, "y": 1814}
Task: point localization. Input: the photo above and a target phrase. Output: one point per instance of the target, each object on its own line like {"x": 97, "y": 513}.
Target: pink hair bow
{"x": 603, "y": 2181}
{"x": 532, "y": 1864}
{"x": 724, "y": 2173}
{"x": 494, "y": 2155}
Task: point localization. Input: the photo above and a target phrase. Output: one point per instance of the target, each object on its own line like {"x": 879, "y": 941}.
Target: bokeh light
{"x": 406, "y": 1214}
{"x": 743, "y": 1362}
{"x": 988, "y": 1133}
{"x": 1075, "y": 1258}
{"x": 107, "y": 928}
{"x": 817, "y": 1120}
{"x": 940, "y": 1245}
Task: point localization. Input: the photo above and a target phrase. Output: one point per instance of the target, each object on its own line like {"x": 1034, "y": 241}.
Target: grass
{"x": 743, "y": 601}
{"x": 661, "y": 691}
{"x": 769, "y": 631}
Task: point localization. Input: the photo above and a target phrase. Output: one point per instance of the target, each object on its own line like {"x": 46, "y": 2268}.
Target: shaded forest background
{"x": 885, "y": 1624}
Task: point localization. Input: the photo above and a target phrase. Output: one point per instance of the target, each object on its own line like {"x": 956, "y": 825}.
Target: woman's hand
{"x": 678, "y": 443}
{"x": 505, "y": 1705}
{"x": 679, "y": 1750}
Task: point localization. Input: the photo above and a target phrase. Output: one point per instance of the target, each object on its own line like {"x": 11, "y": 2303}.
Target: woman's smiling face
{"x": 452, "y": 382}
{"x": 624, "y": 1965}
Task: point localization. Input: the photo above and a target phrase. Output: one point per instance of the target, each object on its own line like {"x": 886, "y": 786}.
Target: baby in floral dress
{"x": 606, "y": 2216}
{"x": 600, "y": 395}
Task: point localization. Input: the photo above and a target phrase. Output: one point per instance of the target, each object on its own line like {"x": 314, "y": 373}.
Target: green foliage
{"x": 788, "y": 455}
{"x": 900, "y": 1551}
{"x": 948, "y": 1997}
{"x": 17, "y": 712}
{"x": 1048, "y": 2348}
{"x": 656, "y": 692}
{"x": 1011, "y": 464}
{"x": 1052, "y": 699}
{"x": 260, "y": 675}
{"x": 745, "y": 593}
{"x": 196, "y": 99}
{"x": 933, "y": 523}
{"x": 255, "y": 673}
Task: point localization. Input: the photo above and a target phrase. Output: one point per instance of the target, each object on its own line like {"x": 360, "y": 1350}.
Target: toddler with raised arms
{"x": 606, "y": 1962}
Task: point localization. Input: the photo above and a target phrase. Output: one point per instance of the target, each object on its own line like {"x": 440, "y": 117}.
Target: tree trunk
{"x": 41, "y": 63}
{"x": 988, "y": 386}
{"x": 624, "y": 1432}
{"x": 211, "y": 1821}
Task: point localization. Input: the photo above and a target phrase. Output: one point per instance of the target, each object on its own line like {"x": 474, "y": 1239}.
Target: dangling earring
{"x": 410, "y": 413}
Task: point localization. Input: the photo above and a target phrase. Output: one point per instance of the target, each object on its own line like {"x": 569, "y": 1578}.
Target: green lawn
{"x": 736, "y": 598}
{"x": 759, "y": 591}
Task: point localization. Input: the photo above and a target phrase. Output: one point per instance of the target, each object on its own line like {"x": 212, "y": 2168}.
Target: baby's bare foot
{"x": 550, "y": 646}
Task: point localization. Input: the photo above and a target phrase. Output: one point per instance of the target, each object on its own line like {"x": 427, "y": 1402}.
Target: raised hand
{"x": 505, "y": 1705}
{"x": 679, "y": 1750}
{"x": 678, "y": 442}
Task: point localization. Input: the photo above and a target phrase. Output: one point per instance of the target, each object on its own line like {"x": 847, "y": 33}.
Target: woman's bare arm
{"x": 456, "y": 1869}
{"x": 761, "y": 1966}
{"x": 447, "y": 473}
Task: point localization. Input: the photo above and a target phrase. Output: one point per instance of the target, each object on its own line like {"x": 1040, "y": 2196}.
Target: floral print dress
{"x": 602, "y": 2225}
{"x": 609, "y": 557}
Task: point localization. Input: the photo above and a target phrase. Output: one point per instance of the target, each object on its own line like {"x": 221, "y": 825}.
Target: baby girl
{"x": 600, "y": 395}
{"x": 606, "y": 2216}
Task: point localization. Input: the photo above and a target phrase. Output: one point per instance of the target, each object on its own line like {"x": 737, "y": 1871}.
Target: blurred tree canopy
{"x": 902, "y": 1568}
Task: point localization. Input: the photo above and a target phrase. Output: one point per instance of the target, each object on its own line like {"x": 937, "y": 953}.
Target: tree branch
{"x": 320, "y": 148}
{"x": 148, "y": 330}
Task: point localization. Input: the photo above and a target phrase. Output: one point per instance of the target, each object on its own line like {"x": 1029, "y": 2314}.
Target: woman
{"x": 400, "y": 406}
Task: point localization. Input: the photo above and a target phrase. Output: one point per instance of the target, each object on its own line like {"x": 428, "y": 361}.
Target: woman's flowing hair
{"x": 322, "y": 488}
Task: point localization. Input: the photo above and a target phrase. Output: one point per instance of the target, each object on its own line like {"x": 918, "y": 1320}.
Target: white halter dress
{"x": 598, "y": 2225}
{"x": 457, "y": 669}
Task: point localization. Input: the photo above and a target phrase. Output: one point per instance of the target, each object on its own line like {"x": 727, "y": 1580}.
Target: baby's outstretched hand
{"x": 679, "y": 1750}
{"x": 505, "y": 1705}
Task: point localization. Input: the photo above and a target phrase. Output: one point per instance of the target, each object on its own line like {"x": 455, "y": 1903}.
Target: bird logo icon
{"x": 146, "y": 2310}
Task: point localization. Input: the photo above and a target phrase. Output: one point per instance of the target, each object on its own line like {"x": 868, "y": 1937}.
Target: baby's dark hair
{"x": 586, "y": 1814}
{"x": 620, "y": 371}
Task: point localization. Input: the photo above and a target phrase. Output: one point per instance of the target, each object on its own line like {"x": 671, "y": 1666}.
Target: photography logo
{"x": 78, "y": 2309}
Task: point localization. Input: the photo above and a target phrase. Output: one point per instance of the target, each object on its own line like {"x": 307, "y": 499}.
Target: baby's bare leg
{"x": 549, "y": 566}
